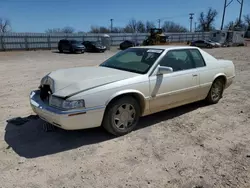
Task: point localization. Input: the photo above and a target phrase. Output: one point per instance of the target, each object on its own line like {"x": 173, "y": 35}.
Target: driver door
{"x": 178, "y": 87}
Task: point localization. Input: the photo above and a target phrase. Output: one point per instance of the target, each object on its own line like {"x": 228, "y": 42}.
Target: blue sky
{"x": 39, "y": 15}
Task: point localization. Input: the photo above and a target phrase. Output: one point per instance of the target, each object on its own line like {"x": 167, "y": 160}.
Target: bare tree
{"x": 206, "y": 21}
{"x": 230, "y": 25}
{"x": 104, "y": 30}
{"x": 236, "y": 25}
{"x": 140, "y": 27}
{"x": 170, "y": 26}
{"x": 118, "y": 30}
{"x": 4, "y": 25}
{"x": 247, "y": 21}
{"x": 132, "y": 25}
{"x": 97, "y": 29}
{"x": 239, "y": 24}
{"x": 94, "y": 29}
{"x": 128, "y": 29}
{"x": 149, "y": 25}
{"x": 68, "y": 29}
{"x": 61, "y": 30}
{"x": 54, "y": 30}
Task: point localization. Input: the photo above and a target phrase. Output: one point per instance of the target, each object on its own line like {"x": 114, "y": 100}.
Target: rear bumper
{"x": 68, "y": 120}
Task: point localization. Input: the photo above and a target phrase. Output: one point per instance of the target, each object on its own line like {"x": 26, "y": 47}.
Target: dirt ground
{"x": 190, "y": 146}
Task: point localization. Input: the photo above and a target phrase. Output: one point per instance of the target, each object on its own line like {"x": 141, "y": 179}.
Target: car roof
{"x": 168, "y": 47}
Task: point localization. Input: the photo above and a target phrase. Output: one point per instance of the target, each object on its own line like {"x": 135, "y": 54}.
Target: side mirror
{"x": 164, "y": 70}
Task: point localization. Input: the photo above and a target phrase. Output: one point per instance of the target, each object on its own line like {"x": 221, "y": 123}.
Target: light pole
{"x": 111, "y": 25}
{"x": 191, "y": 21}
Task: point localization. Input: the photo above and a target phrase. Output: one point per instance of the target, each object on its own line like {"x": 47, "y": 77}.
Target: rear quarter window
{"x": 198, "y": 59}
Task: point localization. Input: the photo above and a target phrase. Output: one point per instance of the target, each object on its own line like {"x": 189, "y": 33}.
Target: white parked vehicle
{"x": 135, "y": 82}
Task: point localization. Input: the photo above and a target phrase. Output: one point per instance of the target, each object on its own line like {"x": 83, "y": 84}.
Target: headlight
{"x": 73, "y": 104}
{"x": 66, "y": 104}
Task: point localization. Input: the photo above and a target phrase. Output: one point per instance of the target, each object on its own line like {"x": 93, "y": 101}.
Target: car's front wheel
{"x": 60, "y": 49}
{"x": 121, "y": 116}
{"x": 216, "y": 91}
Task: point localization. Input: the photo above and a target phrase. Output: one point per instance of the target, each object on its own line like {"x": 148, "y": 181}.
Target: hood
{"x": 99, "y": 46}
{"x": 68, "y": 82}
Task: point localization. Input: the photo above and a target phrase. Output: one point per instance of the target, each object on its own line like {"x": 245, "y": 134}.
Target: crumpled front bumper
{"x": 70, "y": 119}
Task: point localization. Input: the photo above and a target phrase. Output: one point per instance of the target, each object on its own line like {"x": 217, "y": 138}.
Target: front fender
{"x": 144, "y": 102}
{"x": 127, "y": 91}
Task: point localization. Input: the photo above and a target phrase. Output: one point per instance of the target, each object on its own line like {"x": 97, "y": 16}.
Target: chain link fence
{"x": 32, "y": 41}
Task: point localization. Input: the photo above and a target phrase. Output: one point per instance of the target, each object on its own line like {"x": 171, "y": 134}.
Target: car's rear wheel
{"x": 121, "y": 116}
{"x": 216, "y": 91}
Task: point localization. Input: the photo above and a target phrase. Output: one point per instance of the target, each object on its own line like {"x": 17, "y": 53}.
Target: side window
{"x": 197, "y": 57}
{"x": 178, "y": 60}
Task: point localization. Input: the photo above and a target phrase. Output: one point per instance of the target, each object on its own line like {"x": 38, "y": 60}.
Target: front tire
{"x": 216, "y": 91}
{"x": 72, "y": 50}
{"x": 121, "y": 116}
{"x": 60, "y": 49}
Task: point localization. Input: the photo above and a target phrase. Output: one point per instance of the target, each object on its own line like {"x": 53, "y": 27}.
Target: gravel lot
{"x": 190, "y": 146}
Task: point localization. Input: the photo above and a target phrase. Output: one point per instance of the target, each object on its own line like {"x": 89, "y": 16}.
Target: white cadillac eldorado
{"x": 135, "y": 82}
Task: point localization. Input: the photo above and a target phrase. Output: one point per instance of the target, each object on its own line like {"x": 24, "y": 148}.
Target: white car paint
{"x": 99, "y": 85}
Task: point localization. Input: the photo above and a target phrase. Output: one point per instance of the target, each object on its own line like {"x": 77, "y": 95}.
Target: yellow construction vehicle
{"x": 156, "y": 37}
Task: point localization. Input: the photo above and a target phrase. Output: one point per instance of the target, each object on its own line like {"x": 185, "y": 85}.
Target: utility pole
{"x": 191, "y": 21}
{"x": 241, "y": 7}
{"x": 159, "y": 23}
{"x": 195, "y": 26}
{"x": 111, "y": 25}
{"x": 224, "y": 12}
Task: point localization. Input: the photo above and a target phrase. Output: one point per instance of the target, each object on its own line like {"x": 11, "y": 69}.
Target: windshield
{"x": 96, "y": 43}
{"x": 138, "y": 60}
{"x": 75, "y": 42}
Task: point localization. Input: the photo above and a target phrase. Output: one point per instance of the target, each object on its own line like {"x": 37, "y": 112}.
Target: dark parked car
{"x": 203, "y": 44}
{"x": 94, "y": 46}
{"x": 127, "y": 44}
{"x": 71, "y": 45}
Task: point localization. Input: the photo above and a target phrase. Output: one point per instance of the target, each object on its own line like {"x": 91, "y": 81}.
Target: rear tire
{"x": 216, "y": 91}
{"x": 121, "y": 116}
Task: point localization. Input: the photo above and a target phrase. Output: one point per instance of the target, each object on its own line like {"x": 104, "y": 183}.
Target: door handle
{"x": 195, "y": 75}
